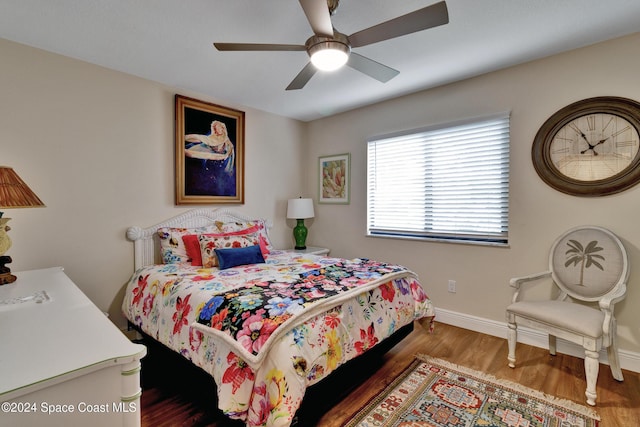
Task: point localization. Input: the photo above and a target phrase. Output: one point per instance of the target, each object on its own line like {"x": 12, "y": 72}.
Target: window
{"x": 446, "y": 182}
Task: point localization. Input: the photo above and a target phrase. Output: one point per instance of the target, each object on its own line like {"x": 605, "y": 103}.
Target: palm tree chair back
{"x": 589, "y": 267}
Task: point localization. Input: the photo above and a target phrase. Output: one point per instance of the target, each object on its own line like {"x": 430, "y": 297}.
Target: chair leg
{"x": 552, "y": 345}
{"x": 591, "y": 367}
{"x": 512, "y": 338}
{"x": 614, "y": 359}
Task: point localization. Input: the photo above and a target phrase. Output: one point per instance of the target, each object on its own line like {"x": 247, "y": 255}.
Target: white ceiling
{"x": 170, "y": 41}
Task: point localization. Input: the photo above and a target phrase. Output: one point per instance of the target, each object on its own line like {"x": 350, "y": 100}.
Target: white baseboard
{"x": 628, "y": 360}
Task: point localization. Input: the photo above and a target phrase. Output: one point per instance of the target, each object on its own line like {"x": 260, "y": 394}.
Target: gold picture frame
{"x": 209, "y": 153}
{"x": 334, "y": 179}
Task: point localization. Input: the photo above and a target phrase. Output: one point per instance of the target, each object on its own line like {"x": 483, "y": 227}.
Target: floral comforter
{"x": 266, "y": 332}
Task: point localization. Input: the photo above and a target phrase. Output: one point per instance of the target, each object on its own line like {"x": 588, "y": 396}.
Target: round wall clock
{"x": 590, "y": 147}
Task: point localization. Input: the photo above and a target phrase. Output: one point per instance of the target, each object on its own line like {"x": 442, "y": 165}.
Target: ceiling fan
{"x": 330, "y": 49}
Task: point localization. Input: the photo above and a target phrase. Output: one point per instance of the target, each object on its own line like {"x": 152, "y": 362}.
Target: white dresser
{"x": 62, "y": 361}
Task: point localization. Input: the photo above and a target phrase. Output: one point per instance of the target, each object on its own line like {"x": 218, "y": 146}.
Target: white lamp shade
{"x": 300, "y": 208}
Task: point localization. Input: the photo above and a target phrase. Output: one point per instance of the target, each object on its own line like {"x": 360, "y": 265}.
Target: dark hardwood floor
{"x": 175, "y": 393}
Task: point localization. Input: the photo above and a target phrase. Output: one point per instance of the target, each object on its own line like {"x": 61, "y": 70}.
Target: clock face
{"x": 594, "y": 147}
{"x": 590, "y": 147}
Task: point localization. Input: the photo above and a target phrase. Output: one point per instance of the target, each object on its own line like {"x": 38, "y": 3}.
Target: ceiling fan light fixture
{"x": 329, "y": 55}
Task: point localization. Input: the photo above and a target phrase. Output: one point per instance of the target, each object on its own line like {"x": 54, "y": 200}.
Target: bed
{"x": 266, "y": 324}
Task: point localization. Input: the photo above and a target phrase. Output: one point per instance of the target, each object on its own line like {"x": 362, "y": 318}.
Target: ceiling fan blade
{"x": 371, "y": 68}
{"x": 318, "y": 16}
{"x": 303, "y": 77}
{"x": 257, "y": 47}
{"x": 422, "y": 19}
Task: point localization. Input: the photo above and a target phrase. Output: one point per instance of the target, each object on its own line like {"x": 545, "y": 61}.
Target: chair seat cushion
{"x": 568, "y": 316}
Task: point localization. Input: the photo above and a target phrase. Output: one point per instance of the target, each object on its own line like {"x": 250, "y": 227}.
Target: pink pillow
{"x": 192, "y": 243}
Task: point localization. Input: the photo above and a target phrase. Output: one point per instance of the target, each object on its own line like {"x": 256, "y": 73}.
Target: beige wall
{"x": 538, "y": 214}
{"x": 97, "y": 147}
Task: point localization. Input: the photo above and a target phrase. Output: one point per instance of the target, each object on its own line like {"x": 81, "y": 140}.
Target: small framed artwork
{"x": 209, "y": 153}
{"x": 334, "y": 179}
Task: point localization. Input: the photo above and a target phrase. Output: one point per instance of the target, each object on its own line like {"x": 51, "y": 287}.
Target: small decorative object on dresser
{"x": 300, "y": 209}
{"x": 591, "y": 147}
{"x": 14, "y": 193}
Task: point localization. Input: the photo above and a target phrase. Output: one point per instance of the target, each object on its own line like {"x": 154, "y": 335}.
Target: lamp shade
{"x": 14, "y": 193}
{"x": 300, "y": 208}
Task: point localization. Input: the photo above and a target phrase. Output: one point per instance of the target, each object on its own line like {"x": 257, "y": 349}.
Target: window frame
{"x": 490, "y": 239}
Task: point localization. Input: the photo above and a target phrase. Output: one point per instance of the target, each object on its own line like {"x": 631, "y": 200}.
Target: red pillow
{"x": 192, "y": 244}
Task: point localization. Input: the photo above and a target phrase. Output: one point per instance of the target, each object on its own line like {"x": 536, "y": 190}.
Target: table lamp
{"x": 300, "y": 209}
{"x": 14, "y": 193}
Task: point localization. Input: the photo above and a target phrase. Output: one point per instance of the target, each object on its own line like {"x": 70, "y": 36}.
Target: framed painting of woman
{"x": 209, "y": 153}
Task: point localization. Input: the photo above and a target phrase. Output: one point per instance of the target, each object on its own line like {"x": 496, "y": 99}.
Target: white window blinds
{"x": 447, "y": 183}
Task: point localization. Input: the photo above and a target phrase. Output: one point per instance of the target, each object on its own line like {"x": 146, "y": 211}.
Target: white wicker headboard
{"x": 146, "y": 243}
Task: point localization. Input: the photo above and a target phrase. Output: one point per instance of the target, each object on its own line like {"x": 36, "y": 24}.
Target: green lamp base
{"x": 300, "y": 234}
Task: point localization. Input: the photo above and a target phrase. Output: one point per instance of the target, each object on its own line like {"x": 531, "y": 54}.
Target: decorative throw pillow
{"x": 172, "y": 248}
{"x": 230, "y": 227}
{"x": 192, "y": 244}
{"x": 208, "y": 245}
{"x": 233, "y": 257}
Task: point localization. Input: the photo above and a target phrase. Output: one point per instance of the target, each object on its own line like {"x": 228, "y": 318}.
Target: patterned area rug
{"x": 435, "y": 393}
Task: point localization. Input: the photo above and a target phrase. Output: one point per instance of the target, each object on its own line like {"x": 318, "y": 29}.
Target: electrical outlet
{"x": 452, "y": 286}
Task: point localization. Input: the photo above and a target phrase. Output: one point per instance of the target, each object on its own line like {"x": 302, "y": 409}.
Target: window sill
{"x": 442, "y": 240}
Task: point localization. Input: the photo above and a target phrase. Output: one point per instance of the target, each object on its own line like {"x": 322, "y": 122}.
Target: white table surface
{"x": 67, "y": 333}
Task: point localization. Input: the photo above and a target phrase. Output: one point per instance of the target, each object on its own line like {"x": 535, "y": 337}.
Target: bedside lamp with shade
{"x": 14, "y": 193}
{"x": 300, "y": 209}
